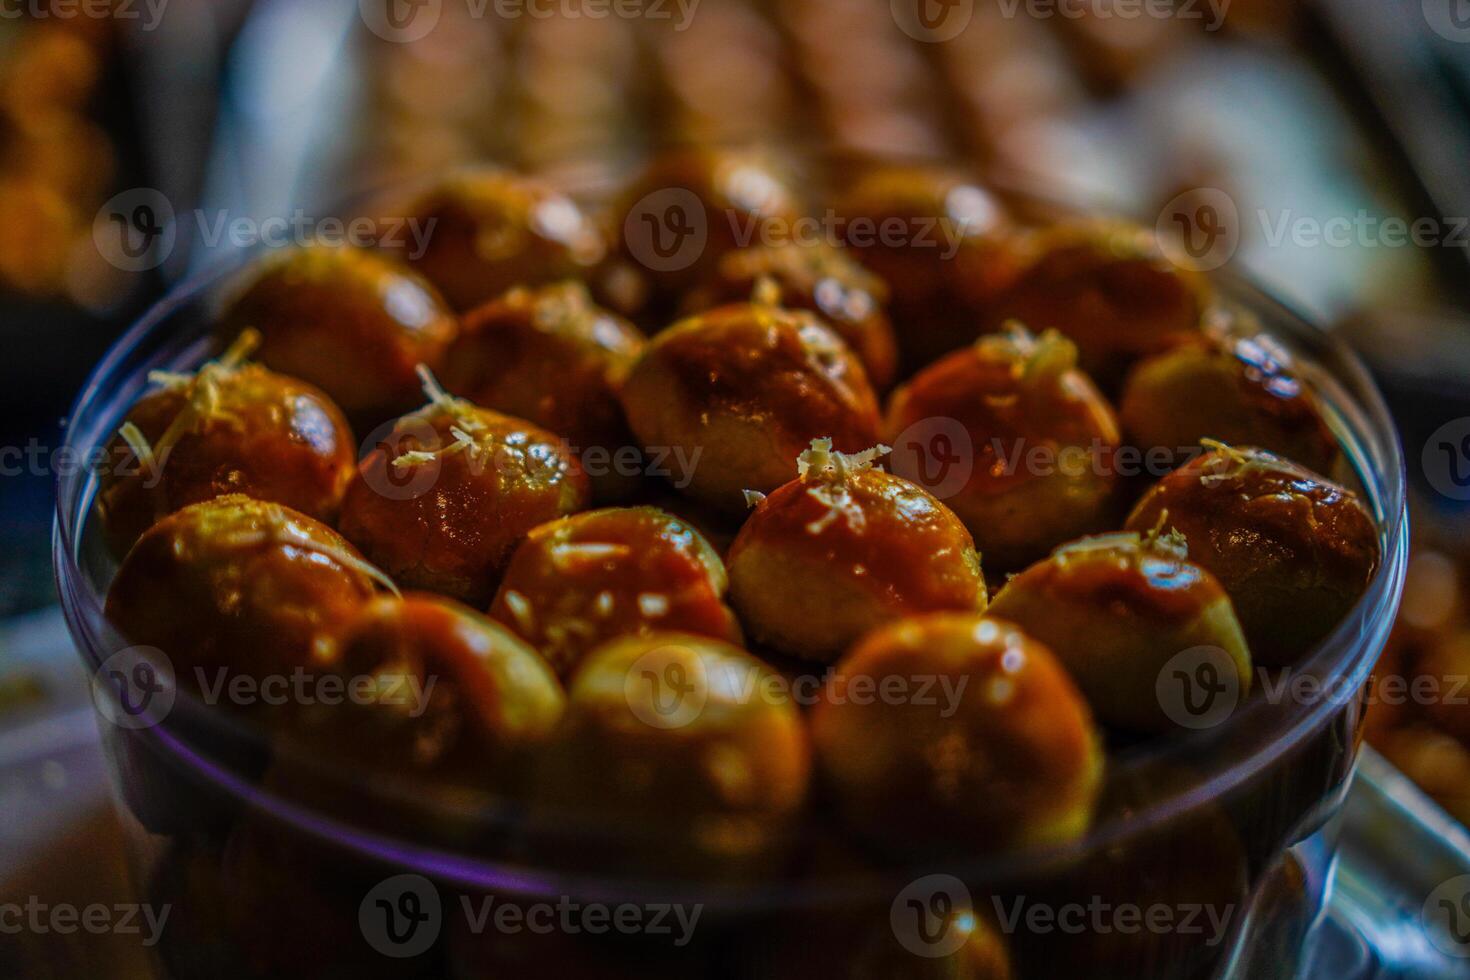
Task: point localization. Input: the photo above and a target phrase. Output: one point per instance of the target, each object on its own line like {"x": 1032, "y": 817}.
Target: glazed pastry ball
{"x": 351, "y": 322}
{"x": 231, "y": 427}
{"x": 552, "y": 357}
{"x": 443, "y": 501}
{"x": 701, "y": 200}
{"x": 731, "y": 396}
{"x": 1116, "y": 609}
{"x": 242, "y": 584}
{"x": 1002, "y": 754}
{"x": 1041, "y": 440}
{"x": 455, "y": 696}
{"x": 945, "y": 246}
{"x": 1109, "y": 287}
{"x": 815, "y": 277}
{"x": 580, "y": 581}
{"x": 1242, "y": 390}
{"x": 844, "y": 548}
{"x": 1294, "y": 550}
{"x": 493, "y": 230}
{"x": 667, "y": 763}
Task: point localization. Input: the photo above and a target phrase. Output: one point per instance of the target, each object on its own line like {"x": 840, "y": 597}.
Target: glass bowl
{"x": 1209, "y": 857}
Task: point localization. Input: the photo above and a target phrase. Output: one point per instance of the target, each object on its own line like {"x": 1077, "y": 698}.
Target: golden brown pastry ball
{"x": 1119, "y": 610}
{"x": 454, "y": 697}
{"x": 1109, "y": 287}
{"x": 552, "y": 357}
{"x": 245, "y": 585}
{"x": 956, "y": 733}
{"x": 816, "y": 277}
{"x": 443, "y": 501}
{"x": 1242, "y": 390}
{"x": 578, "y": 582}
{"x": 489, "y": 230}
{"x": 353, "y": 323}
{"x": 1294, "y": 550}
{"x": 731, "y": 396}
{"x": 1041, "y": 443}
{"x": 690, "y": 207}
{"x": 844, "y": 548}
{"x": 946, "y": 247}
{"x": 229, "y": 428}
{"x": 677, "y": 757}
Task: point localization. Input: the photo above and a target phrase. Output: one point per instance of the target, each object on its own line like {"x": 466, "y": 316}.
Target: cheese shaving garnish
{"x": 822, "y": 462}
{"x": 1238, "y": 462}
{"x": 466, "y": 433}
{"x": 1131, "y": 544}
{"x": 766, "y": 292}
{"x": 753, "y": 498}
{"x": 142, "y": 451}
{"x": 1171, "y": 542}
{"x": 520, "y": 608}
{"x": 281, "y": 533}
{"x": 829, "y": 472}
{"x": 201, "y": 395}
{"x": 1038, "y": 357}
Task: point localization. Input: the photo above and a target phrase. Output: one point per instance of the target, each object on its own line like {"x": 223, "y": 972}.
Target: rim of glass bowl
{"x": 1255, "y": 737}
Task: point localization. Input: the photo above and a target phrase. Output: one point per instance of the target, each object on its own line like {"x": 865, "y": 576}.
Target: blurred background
{"x": 1330, "y": 140}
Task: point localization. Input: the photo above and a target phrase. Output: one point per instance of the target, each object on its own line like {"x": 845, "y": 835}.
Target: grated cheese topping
{"x": 1234, "y": 464}
{"x": 1038, "y": 357}
{"x": 828, "y": 472}
{"x": 765, "y": 292}
{"x": 278, "y": 530}
{"x": 201, "y": 396}
{"x": 467, "y": 434}
{"x": 1170, "y": 544}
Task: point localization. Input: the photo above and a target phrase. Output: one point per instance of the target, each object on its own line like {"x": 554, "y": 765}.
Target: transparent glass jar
{"x": 1208, "y": 858}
